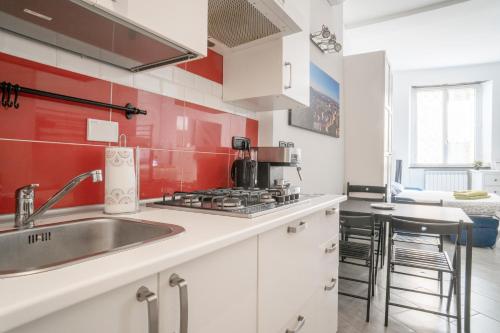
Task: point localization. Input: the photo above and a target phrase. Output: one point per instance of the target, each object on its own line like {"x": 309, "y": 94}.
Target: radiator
{"x": 446, "y": 180}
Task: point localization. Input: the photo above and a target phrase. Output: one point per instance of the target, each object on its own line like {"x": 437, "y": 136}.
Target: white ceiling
{"x": 359, "y": 12}
{"x": 424, "y": 33}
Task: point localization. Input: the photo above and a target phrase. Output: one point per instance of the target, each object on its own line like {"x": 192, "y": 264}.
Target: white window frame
{"x": 478, "y": 151}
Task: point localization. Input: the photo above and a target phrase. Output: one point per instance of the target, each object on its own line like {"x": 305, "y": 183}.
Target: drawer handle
{"x": 300, "y": 323}
{"x": 177, "y": 281}
{"x": 293, "y": 230}
{"x": 331, "y": 211}
{"x": 144, "y": 294}
{"x": 332, "y": 285}
{"x": 331, "y": 248}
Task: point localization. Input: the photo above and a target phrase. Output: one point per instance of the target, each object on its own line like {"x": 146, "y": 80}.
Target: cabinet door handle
{"x": 144, "y": 294}
{"x": 300, "y": 323}
{"x": 293, "y": 230}
{"x": 330, "y": 211}
{"x": 289, "y": 85}
{"x": 331, "y": 248}
{"x": 332, "y": 285}
{"x": 176, "y": 281}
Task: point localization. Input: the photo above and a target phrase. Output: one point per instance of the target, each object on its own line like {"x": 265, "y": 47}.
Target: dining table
{"x": 423, "y": 212}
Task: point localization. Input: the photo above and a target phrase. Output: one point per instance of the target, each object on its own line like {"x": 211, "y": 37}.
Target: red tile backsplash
{"x": 185, "y": 146}
{"x": 204, "y": 170}
{"x": 210, "y": 67}
{"x": 51, "y": 166}
{"x": 45, "y": 119}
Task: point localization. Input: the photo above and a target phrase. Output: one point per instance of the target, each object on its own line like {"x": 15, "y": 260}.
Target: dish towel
{"x": 470, "y": 195}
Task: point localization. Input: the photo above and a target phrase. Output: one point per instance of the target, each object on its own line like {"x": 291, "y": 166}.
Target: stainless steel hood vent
{"x": 89, "y": 31}
{"x": 237, "y": 22}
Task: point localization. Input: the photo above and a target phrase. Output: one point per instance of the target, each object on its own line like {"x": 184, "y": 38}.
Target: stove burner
{"x": 242, "y": 202}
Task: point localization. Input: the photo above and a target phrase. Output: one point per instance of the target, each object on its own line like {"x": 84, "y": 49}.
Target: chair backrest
{"x": 439, "y": 203}
{"x": 426, "y": 226}
{"x": 354, "y": 191}
{"x": 357, "y": 224}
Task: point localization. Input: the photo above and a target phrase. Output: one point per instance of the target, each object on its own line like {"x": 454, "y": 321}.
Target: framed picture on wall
{"x": 322, "y": 116}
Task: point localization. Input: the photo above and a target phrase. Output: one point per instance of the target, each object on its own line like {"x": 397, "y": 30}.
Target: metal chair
{"x": 357, "y": 192}
{"x": 379, "y": 192}
{"x": 358, "y": 253}
{"x": 426, "y": 260}
{"x": 421, "y": 239}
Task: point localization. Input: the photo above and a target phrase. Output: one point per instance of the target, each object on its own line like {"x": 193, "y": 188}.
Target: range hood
{"x": 87, "y": 30}
{"x": 238, "y": 24}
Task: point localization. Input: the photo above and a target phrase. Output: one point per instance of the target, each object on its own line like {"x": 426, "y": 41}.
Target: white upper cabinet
{"x": 273, "y": 75}
{"x": 182, "y": 22}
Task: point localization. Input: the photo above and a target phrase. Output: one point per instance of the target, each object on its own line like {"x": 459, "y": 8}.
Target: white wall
{"x": 404, "y": 80}
{"x": 323, "y": 156}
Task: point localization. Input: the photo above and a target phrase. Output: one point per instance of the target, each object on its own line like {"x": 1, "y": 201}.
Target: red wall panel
{"x": 185, "y": 146}
{"x": 210, "y": 67}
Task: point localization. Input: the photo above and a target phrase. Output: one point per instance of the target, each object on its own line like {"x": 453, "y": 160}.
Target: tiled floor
{"x": 485, "y": 301}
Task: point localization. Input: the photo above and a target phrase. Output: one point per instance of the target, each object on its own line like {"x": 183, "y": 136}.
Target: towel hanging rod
{"x": 9, "y": 89}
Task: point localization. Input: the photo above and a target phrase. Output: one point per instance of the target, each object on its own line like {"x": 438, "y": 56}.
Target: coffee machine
{"x": 244, "y": 168}
{"x": 271, "y": 160}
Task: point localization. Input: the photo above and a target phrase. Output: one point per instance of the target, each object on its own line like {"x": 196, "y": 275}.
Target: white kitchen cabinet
{"x": 221, "y": 289}
{"x": 182, "y": 22}
{"x": 117, "y": 311}
{"x": 273, "y": 75}
{"x": 485, "y": 180}
{"x": 368, "y": 119}
{"x": 296, "y": 262}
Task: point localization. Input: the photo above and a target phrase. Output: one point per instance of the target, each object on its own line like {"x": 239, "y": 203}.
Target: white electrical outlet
{"x": 102, "y": 130}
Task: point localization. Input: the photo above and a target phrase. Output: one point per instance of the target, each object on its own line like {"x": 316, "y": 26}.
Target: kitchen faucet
{"x": 25, "y": 199}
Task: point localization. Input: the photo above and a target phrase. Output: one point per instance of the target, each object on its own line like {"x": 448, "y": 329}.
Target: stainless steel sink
{"x": 51, "y": 246}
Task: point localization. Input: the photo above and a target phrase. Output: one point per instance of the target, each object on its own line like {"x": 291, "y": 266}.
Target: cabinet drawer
{"x": 330, "y": 259}
{"x": 293, "y": 265}
{"x": 329, "y": 219}
{"x": 492, "y": 189}
{"x": 491, "y": 179}
{"x": 289, "y": 270}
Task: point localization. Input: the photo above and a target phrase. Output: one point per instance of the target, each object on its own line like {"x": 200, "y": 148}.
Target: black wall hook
{"x": 17, "y": 89}
{"x": 4, "y": 94}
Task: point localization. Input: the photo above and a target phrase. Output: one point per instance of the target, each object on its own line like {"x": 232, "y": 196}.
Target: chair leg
{"x": 458, "y": 297}
{"x": 374, "y": 273}
{"x": 440, "y": 279}
{"x": 383, "y": 237}
{"x": 388, "y": 287}
{"x": 370, "y": 288}
{"x": 450, "y": 291}
{"x": 377, "y": 255}
{"x": 440, "y": 274}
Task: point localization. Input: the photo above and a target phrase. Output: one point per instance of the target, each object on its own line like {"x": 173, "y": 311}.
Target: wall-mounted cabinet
{"x": 272, "y": 75}
{"x": 165, "y": 18}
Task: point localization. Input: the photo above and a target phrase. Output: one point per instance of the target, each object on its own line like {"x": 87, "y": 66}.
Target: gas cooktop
{"x": 236, "y": 202}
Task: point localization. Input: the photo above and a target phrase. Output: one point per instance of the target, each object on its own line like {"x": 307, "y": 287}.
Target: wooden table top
{"x": 435, "y": 213}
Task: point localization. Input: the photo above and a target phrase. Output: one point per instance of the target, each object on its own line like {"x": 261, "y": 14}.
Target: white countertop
{"x": 29, "y": 297}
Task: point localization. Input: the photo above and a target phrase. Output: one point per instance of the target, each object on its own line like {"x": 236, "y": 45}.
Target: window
{"x": 444, "y": 125}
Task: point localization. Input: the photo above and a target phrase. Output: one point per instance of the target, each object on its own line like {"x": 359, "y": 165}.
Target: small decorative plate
{"x": 383, "y": 206}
